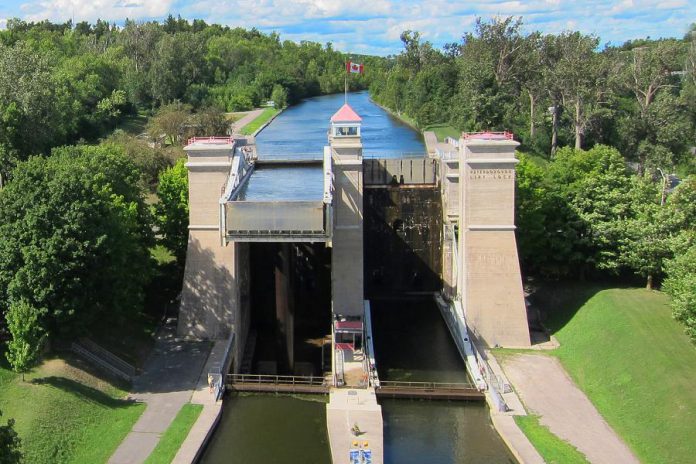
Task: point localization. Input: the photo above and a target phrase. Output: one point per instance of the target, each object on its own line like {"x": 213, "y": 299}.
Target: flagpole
{"x": 345, "y": 82}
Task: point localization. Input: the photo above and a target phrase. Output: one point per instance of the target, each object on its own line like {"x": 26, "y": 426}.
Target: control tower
{"x": 345, "y": 148}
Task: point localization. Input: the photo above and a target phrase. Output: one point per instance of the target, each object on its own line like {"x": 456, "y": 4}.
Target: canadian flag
{"x": 354, "y": 68}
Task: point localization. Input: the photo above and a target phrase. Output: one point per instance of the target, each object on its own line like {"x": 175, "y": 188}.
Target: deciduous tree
{"x": 680, "y": 284}
{"x": 75, "y": 238}
{"x": 28, "y": 335}
{"x": 172, "y": 213}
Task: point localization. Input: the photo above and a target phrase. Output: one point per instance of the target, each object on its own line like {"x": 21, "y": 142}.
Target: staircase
{"x": 103, "y": 359}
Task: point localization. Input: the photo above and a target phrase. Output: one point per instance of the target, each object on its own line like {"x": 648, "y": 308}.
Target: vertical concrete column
{"x": 489, "y": 279}
{"x": 347, "y": 287}
{"x": 285, "y": 299}
{"x": 210, "y": 296}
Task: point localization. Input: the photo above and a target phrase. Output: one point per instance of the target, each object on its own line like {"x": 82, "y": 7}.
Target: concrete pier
{"x": 347, "y": 408}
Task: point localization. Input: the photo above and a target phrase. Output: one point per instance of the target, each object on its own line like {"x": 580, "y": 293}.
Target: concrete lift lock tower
{"x": 491, "y": 285}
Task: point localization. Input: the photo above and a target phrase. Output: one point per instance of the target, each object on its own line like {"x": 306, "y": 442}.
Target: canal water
{"x": 302, "y": 129}
{"x": 411, "y": 343}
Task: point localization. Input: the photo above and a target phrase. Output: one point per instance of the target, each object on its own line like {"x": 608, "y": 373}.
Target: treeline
{"x": 552, "y": 90}
{"x": 62, "y": 83}
{"x": 586, "y": 214}
{"x": 76, "y": 232}
{"x": 605, "y": 132}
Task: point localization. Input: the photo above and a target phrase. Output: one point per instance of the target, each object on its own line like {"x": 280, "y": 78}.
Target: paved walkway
{"x": 347, "y": 407}
{"x": 504, "y": 422}
{"x": 169, "y": 377}
{"x": 212, "y": 410}
{"x": 547, "y": 391}
{"x": 244, "y": 120}
{"x": 430, "y": 142}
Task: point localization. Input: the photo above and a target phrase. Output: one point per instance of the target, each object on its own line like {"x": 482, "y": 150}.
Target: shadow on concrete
{"x": 208, "y": 290}
{"x": 402, "y": 241}
{"x": 174, "y": 365}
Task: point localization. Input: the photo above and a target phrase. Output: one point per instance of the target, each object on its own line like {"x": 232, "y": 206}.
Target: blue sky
{"x": 374, "y": 26}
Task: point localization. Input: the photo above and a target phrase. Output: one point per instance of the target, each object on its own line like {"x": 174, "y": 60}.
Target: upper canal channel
{"x": 411, "y": 339}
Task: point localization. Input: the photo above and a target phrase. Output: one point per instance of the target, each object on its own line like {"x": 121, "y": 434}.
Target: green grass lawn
{"x": 552, "y": 449}
{"x": 262, "y": 119}
{"x": 134, "y": 124}
{"x": 65, "y": 413}
{"x": 624, "y": 350}
{"x": 538, "y": 160}
{"x": 443, "y": 130}
{"x": 175, "y": 435}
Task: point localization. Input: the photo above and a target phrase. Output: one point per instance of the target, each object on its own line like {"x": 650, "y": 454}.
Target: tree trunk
{"x": 578, "y": 126}
{"x": 531, "y": 115}
{"x": 649, "y": 282}
{"x": 554, "y": 131}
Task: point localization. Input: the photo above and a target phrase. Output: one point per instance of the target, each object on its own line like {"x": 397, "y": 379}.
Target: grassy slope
{"x": 65, "y": 414}
{"x": 175, "y": 435}
{"x": 633, "y": 361}
{"x": 443, "y": 130}
{"x": 552, "y": 449}
{"x": 266, "y": 115}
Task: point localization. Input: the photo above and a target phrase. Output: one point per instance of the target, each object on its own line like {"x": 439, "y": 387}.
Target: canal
{"x": 411, "y": 342}
{"x": 302, "y": 129}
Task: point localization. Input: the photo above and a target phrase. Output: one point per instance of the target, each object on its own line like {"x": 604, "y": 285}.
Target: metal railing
{"x": 261, "y": 379}
{"x": 402, "y": 155}
{"x": 109, "y": 357}
{"x": 291, "y": 157}
{"x": 488, "y": 135}
{"x": 427, "y": 386}
{"x": 452, "y": 141}
{"x": 99, "y": 362}
{"x": 210, "y": 140}
{"x": 491, "y": 378}
{"x": 339, "y": 375}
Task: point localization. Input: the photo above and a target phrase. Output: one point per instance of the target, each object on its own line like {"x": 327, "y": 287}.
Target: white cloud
{"x": 374, "y": 26}
{"x": 671, "y": 4}
{"x": 622, "y": 6}
{"x": 3, "y": 23}
{"x": 91, "y": 10}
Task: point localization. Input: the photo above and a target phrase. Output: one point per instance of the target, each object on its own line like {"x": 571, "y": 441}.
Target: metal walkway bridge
{"x": 321, "y": 385}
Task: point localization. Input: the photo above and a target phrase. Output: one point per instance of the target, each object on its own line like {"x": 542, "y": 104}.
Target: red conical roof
{"x": 346, "y": 114}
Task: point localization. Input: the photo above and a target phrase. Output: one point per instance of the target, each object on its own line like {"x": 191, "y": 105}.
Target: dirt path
{"x": 548, "y": 392}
